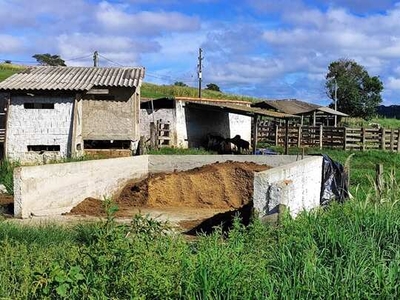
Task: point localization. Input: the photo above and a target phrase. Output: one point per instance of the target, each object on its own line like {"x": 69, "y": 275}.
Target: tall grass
{"x": 344, "y": 251}
{"x": 6, "y": 175}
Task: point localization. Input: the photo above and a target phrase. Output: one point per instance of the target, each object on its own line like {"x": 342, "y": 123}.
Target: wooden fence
{"x": 330, "y": 137}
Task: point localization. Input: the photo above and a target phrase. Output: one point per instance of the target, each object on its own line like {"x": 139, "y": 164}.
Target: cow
{"x": 217, "y": 143}
{"x": 239, "y": 143}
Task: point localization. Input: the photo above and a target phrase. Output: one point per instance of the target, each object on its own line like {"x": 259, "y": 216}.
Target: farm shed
{"x": 56, "y": 112}
{"x": 188, "y": 125}
{"x": 187, "y": 121}
{"x": 310, "y": 113}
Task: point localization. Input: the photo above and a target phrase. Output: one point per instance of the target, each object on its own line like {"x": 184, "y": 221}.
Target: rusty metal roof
{"x": 295, "y": 107}
{"x": 241, "y": 109}
{"x": 72, "y": 78}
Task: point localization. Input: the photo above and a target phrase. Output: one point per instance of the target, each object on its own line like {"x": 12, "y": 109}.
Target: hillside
{"x": 6, "y": 70}
{"x": 149, "y": 90}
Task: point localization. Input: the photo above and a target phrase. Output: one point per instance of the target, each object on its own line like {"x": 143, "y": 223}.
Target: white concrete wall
{"x": 296, "y": 185}
{"x": 170, "y": 163}
{"x": 38, "y": 127}
{"x": 57, "y": 188}
{"x": 241, "y": 125}
{"x": 181, "y": 129}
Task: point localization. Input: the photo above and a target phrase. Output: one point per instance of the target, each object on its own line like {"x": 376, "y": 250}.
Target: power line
{"x": 78, "y": 58}
{"x": 118, "y": 64}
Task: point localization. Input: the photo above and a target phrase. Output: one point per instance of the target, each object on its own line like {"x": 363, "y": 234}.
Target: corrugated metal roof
{"x": 289, "y": 106}
{"x": 243, "y": 110}
{"x": 295, "y": 107}
{"x": 331, "y": 111}
{"x": 72, "y": 78}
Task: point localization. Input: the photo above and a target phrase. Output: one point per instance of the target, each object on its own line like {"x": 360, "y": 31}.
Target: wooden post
{"x": 255, "y": 133}
{"x": 392, "y": 140}
{"x": 344, "y": 138}
{"x": 314, "y": 118}
{"x": 286, "y": 137}
{"x": 383, "y": 139}
{"x": 363, "y": 138}
{"x": 320, "y": 136}
{"x": 142, "y": 148}
{"x": 299, "y": 137}
{"x": 398, "y": 140}
{"x": 153, "y": 135}
{"x": 276, "y": 135}
{"x": 378, "y": 177}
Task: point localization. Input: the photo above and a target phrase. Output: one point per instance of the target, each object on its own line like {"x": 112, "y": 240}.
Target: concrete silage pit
{"x": 189, "y": 190}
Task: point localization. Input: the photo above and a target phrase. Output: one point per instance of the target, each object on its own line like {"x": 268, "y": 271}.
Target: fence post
{"x": 379, "y": 177}
{"x": 299, "y": 137}
{"x": 363, "y": 139}
{"x": 383, "y": 139}
{"x": 392, "y": 140}
{"x": 398, "y": 140}
{"x": 344, "y": 138}
{"x": 276, "y": 135}
{"x": 320, "y": 136}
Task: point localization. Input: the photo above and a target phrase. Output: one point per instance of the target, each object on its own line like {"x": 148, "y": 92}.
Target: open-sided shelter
{"x": 311, "y": 113}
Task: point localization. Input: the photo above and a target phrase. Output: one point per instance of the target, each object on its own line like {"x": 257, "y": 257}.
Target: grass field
{"x": 383, "y": 122}
{"x": 345, "y": 251}
{"x": 6, "y": 70}
{"x": 149, "y": 90}
{"x": 340, "y": 252}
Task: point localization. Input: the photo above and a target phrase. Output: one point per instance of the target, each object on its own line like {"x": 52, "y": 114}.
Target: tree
{"x": 358, "y": 94}
{"x": 47, "y": 59}
{"x": 180, "y": 83}
{"x": 213, "y": 87}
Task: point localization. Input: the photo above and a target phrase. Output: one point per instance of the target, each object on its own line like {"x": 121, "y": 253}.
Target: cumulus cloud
{"x": 122, "y": 50}
{"x": 393, "y": 83}
{"x": 113, "y": 17}
{"x": 10, "y": 43}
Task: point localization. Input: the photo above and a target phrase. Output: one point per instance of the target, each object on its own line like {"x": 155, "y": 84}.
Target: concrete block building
{"x": 55, "y": 112}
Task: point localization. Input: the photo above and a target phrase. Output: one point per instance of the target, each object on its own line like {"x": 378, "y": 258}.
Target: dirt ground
{"x": 198, "y": 193}
{"x": 198, "y": 198}
{"x": 6, "y": 204}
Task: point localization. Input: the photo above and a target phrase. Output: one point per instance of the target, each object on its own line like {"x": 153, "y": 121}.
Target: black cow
{"x": 217, "y": 143}
{"x": 239, "y": 143}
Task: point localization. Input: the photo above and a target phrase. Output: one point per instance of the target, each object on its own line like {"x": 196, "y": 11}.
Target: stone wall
{"x": 38, "y": 127}
{"x": 167, "y": 115}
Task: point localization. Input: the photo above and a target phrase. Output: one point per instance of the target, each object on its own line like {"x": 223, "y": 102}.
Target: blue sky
{"x": 263, "y": 48}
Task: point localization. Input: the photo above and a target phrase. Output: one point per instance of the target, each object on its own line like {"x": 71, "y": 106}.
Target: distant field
{"x": 382, "y": 121}
{"x": 6, "y": 70}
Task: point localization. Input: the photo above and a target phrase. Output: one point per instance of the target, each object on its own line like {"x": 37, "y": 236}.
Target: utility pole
{"x": 95, "y": 59}
{"x": 336, "y": 88}
{"x": 199, "y": 70}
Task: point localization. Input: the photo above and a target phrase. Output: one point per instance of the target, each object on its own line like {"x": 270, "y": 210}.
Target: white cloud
{"x": 10, "y": 43}
{"x": 113, "y": 17}
{"x": 393, "y": 83}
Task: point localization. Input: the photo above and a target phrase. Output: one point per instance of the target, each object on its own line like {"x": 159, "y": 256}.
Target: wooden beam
{"x": 286, "y": 137}
{"x": 98, "y": 92}
{"x": 255, "y": 133}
